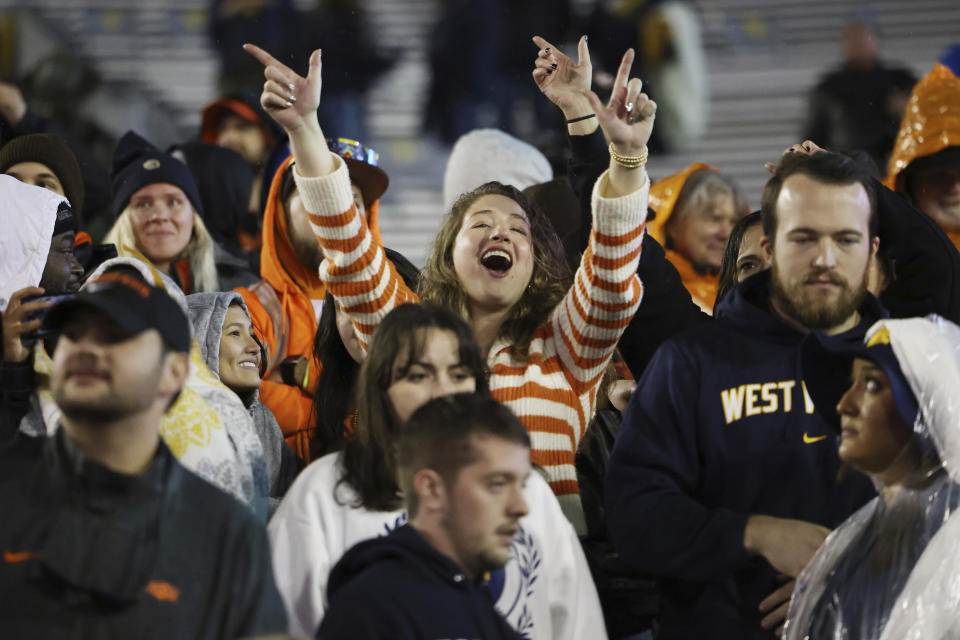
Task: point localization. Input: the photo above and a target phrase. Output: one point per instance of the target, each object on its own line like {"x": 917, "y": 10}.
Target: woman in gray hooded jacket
{"x": 222, "y": 326}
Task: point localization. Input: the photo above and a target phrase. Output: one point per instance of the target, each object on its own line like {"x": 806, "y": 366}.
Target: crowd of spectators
{"x": 603, "y": 408}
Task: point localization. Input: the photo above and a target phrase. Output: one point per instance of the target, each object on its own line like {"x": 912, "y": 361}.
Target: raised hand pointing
{"x": 289, "y": 98}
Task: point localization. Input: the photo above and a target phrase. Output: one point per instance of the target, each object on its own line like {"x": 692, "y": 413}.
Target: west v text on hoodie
{"x": 721, "y": 427}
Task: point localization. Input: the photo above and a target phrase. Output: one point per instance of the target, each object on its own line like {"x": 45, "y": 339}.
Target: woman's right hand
{"x": 292, "y": 101}
{"x": 289, "y": 98}
{"x": 627, "y": 118}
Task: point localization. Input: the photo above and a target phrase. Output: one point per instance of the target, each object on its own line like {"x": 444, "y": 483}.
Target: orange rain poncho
{"x": 930, "y": 124}
{"x": 663, "y": 198}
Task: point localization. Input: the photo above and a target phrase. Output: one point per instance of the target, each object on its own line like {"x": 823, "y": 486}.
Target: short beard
{"x": 310, "y": 255}
{"x": 92, "y": 415}
{"x": 106, "y": 410}
{"x": 816, "y": 316}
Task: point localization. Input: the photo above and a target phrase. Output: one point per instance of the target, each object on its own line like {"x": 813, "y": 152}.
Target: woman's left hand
{"x": 627, "y": 118}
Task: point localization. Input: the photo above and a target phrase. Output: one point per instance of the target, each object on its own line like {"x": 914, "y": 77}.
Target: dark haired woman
{"x": 417, "y": 353}
{"x": 743, "y": 255}
{"x": 336, "y": 345}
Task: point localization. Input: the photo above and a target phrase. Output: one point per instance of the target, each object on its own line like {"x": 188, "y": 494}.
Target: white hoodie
{"x": 545, "y": 592}
{"x": 28, "y": 215}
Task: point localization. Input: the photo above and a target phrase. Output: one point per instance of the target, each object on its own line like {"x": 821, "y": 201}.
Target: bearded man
{"x": 724, "y": 480}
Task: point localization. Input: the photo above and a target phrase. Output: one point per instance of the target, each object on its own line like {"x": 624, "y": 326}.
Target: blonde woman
{"x": 158, "y": 215}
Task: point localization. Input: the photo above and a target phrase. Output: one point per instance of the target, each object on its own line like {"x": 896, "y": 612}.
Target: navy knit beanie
{"x": 137, "y": 163}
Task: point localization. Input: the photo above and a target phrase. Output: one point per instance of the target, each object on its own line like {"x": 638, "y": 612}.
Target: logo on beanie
{"x": 65, "y": 219}
{"x": 64, "y": 212}
{"x": 151, "y": 164}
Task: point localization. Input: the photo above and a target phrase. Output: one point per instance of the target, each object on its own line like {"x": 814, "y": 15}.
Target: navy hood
{"x": 404, "y": 548}
{"x": 398, "y": 586}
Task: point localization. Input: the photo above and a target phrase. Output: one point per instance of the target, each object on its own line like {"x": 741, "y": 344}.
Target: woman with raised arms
{"x": 498, "y": 264}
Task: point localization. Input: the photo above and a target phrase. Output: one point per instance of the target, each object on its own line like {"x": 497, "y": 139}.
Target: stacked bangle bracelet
{"x": 630, "y": 162}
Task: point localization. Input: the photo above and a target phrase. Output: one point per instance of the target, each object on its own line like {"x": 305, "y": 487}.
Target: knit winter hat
{"x": 53, "y": 152}
{"x": 490, "y": 154}
{"x": 137, "y": 163}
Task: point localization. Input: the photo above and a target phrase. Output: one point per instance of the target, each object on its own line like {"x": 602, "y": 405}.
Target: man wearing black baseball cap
{"x": 102, "y": 528}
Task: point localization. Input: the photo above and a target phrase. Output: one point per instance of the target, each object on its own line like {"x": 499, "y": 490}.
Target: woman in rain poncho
{"x": 891, "y": 569}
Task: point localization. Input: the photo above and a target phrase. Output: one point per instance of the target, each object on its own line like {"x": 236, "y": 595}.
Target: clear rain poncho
{"x": 892, "y": 571}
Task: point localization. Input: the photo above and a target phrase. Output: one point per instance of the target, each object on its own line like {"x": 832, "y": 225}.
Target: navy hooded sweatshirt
{"x": 720, "y": 428}
{"x": 399, "y": 587}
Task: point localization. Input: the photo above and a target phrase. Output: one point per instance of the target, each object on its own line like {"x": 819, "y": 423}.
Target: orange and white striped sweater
{"x": 554, "y": 391}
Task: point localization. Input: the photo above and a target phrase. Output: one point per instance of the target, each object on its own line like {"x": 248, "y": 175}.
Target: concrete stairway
{"x": 764, "y": 55}
{"x": 154, "y": 57}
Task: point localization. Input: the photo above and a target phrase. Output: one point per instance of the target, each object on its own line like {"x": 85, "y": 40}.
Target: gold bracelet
{"x": 630, "y": 162}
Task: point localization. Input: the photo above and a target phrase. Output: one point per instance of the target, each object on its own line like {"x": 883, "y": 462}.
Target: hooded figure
{"x": 238, "y": 122}
{"x": 890, "y": 571}
{"x": 244, "y": 107}
{"x": 929, "y": 139}
{"x": 695, "y": 212}
{"x": 223, "y": 181}
{"x": 207, "y": 313}
{"x": 30, "y": 217}
{"x": 36, "y": 249}
{"x": 286, "y": 304}
{"x": 208, "y": 429}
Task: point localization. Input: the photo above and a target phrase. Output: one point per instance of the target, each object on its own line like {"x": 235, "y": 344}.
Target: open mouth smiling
{"x": 496, "y": 260}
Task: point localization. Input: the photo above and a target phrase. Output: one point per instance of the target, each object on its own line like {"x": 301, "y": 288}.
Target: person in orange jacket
{"x": 696, "y": 210}
{"x": 286, "y": 305}
{"x": 925, "y": 163}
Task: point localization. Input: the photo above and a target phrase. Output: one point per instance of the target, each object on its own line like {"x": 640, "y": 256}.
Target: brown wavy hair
{"x": 369, "y": 458}
{"x": 549, "y": 282}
